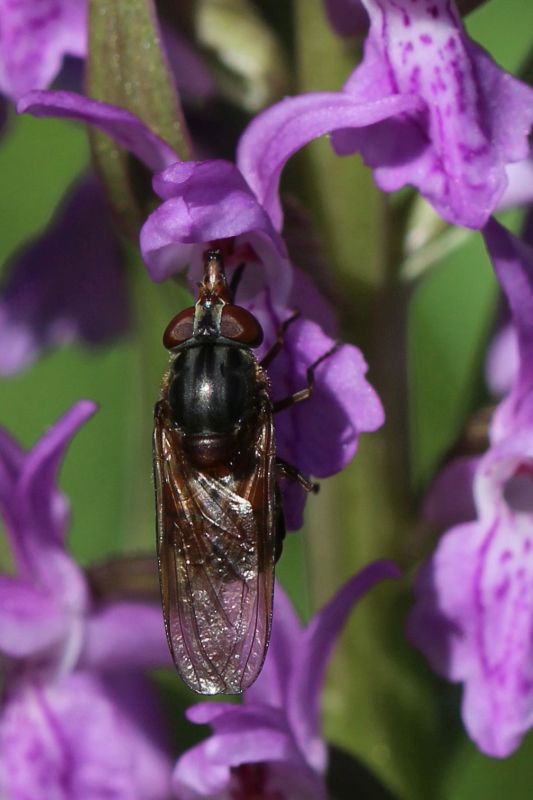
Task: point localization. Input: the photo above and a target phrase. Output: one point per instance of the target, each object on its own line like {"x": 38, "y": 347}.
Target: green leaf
{"x": 127, "y": 68}
{"x": 449, "y": 324}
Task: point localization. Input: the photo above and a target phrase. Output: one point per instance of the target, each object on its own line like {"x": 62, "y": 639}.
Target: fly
{"x": 219, "y": 514}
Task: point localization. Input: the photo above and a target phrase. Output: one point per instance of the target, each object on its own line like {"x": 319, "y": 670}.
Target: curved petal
{"x": 30, "y": 620}
{"x": 512, "y": 260}
{"x": 35, "y": 39}
{"x": 271, "y": 687}
{"x": 205, "y": 201}
{"x": 310, "y": 663}
{"x": 68, "y": 284}
{"x": 277, "y": 133}
{"x": 125, "y": 128}
{"x": 125, "y": 636}
{"x": 208, "y": 201}
{"x": 43, "y": 510}
{"x": 11, "y": 458}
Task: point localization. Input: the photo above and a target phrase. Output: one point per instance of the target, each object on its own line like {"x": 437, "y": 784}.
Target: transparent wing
{"x": 216, "y": 560}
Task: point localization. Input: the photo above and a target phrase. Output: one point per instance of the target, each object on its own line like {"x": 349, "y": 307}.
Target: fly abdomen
{"x": 212, "y": 389}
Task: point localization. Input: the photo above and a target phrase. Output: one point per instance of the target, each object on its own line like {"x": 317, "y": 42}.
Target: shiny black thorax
{"x": 212, "y": 389}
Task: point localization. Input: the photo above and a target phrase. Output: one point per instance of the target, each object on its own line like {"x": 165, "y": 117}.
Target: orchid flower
{"x": 35, "y": 37}
{"x": 56, "y": 291}
{"x": 77, "y": 717}
{"x": 271, "y": 746}
{"x": 474, "y": 609}
{"x": 426, "y": 107}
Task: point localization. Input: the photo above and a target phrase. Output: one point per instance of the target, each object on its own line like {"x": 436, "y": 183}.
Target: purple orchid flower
{"x": 76, "y": 718}
{"x": 34, "y": 39}
{"x": 67, "y": 285}
{"x": 474, "y": 609}
{"x": 271, "y": 745}
{"x": 426, "y": 107}
{"x": 210, "y": 201}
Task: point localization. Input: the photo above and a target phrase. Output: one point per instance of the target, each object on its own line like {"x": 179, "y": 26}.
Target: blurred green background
{"x": 382, "y": 702}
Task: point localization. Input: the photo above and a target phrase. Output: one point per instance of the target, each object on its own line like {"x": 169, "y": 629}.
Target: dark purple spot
{"x": 451, "y": 44}
{"x": 502, "y": 589}
{"x": 505, "y": 556}
{"x": 406, "y": 49}
{"x": 527, "y": 545}
{"x": 425, "y": 38}
{"x": 470, "y": 154}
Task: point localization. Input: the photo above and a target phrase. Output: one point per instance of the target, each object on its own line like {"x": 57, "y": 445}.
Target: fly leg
{"x": 277, "y": 346}
{"x": 235, "y": 280}
{"x": 287, "y": 470}
{"x": 280, "y": 525}
{"x": 292, "y": 474}
{"x": 304, "y": 394}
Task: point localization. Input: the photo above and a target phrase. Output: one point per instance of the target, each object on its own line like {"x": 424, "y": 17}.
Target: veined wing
{"x": 216, "y": 560}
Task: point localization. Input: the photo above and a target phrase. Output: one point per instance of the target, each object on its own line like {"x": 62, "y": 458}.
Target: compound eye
{"x": 240, "y": 325}
{"x": 179, "y": 329}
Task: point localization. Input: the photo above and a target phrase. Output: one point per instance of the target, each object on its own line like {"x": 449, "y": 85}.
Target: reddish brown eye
{"x": 179, "y": 329}
{"x": 240, "y": 325}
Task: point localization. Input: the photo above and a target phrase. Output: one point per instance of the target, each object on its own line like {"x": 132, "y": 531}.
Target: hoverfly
{"x": 219, "y": 515}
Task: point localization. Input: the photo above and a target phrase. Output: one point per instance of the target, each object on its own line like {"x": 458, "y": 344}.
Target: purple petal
{"x": 209, "y": 201}
{"x": 11, "y": 458}
{"x": 205, "y": 770}
{"x": 125, "y": 635}
{"x": 474, "y": 607}
{"x": 285, "y": 641}
{"x": 502, "y": 362}
{"x": 519, "y": 191}
{"x": 307, "y": 674}
{"x": 30, "y": 620}
{"x": 39, "y": 475}
{"x": 277, "y": 133}
{"x": 512, "y": 260}
{"x": 39, "y": 513}
{"x": 207, "y": 713}
{"x": 347, "y": 17}
{"x": 450, "y": 499}
{"x": 125, "y": 128}
{"x": 192, "y": 76}
{"x": 343, "y": 400}
{"x": 67, "y": 285}
{"x": 35, "y": 39}
{"x": 456, "y": 153}
{"x": 513, "y": 264}
{"x": 71, "y": 741}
